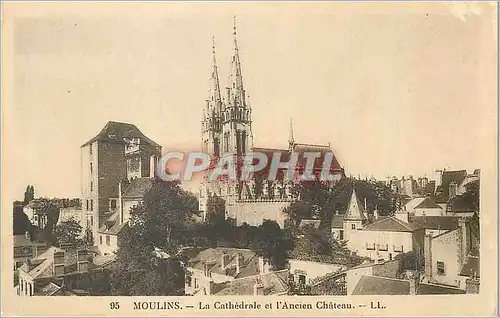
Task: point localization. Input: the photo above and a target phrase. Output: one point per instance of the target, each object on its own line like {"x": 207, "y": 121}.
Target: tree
{"x": 271, "y": 243}
{"x": 471, "y": 195}
{"x": 158, "y": 223}
{"x": 29, "y": 194}
{"x": 67, "y": 233}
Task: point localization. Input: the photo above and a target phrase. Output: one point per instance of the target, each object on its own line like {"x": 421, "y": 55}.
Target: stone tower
{"x": 211, "y": 122}
{"x": 236, "y": 114}
{"x": 355, "y": 218}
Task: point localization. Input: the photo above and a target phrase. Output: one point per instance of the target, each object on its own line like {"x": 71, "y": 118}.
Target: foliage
{"x": 29, "y": 194}
{"x": 471, "y": 195}
{"x": 67, "y": 233}
{"x": 475, "y": 235}
{"x": 272, "y": 243}
{"x": 409, "y": 261}
{"x": 160, "y": 222}
{"x": 320, "y": 200}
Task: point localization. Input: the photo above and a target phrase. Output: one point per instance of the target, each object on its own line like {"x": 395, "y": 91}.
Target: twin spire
{"x": 235, "y": 93}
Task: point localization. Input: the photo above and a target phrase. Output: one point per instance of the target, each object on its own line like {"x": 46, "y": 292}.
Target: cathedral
{"x": 227, "y": 129}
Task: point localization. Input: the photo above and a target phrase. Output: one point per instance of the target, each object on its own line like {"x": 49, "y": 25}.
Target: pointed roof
{"x": 428, "y": 203}
{"x": 236, "y": 90}
{"x": 214, "y": 96}
{"x": 355, "y": 210}
{"x": 391, "y": 224}
{"x": 115, "y": 132}
{"x": 291, "y": 140}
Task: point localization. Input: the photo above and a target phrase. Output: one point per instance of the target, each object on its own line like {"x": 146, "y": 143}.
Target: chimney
{"x": 463, "y": 237}
{"x": 261, "y": 265}
{"x": 258, "y": 288}
{"x": 153, "y": 162}
{"x": 403, "y": 216}
{"x": 58, "y": 264}
{"x": 414, "y": 283}
{"x": 428, "y": 255}
{"x": 452, "y": 191}
{"x": 209, "y": 288}
{"x": 237, "y": 256}
{"x": 224, "y": 260}
{"x": 82, "y": 261}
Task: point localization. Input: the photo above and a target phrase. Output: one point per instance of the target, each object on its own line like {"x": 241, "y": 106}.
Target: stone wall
{"x": 254, "y": 212}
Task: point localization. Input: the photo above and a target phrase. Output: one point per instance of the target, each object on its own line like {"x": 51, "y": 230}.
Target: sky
{"x": 396, "y": 89}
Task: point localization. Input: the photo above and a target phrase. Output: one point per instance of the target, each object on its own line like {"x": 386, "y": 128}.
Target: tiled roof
{"x": 314, "y": 223}
{"x": 41, "y": 266}
{"x": 355, "y": 210}
{"x": 137, "y": 188}
{"x": 374, "y": 285}
{"x": 391, "y": 224}
{"x": 471, "y": 267}
{"x": 428, "y": 203}
{"x": 431, "y": 289}
{"x": 48, "y": 290}
{"x": 112, "y": 226}
{"x": 460, "y": 204}
{"x": 412, "y": 203}
{"x": 338, "y": 221}
{"x": 457, "y": 176}
{"x": 249, "y": 261}
{"x": 115, "y": 132}
{"x": 273, "y": 283}
{"x": 436, "y": 222}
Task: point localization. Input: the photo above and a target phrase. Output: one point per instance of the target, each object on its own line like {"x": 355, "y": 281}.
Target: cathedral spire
{"x": 214, "y": 96}
{"x": 291, "y": 140}
{"x": 236, "y": 92}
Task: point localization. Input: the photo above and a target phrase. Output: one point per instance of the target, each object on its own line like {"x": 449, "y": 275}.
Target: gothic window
{"x": 90, "y": 149}
{"x": 91, "y": 168}
{"x": 216, "y": 146}
{"x": 91, "y": 186}
{"x": 353, "y": 226}
{"x": 238, "y": 141}
{"x": 243, "y": 141}
{"x": 91, "y": 205}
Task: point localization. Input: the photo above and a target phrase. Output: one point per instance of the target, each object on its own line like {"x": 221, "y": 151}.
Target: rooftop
{"x": 115, "y": 132}
{"x": 391, "y": 224}
{"x": 212, "y": 257}
{"x": 272, "y": 283}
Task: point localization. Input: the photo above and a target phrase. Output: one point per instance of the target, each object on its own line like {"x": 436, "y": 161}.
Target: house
{"x": 412, "y": 203}
{"x": 387, "y": 237}
{"x": 56, "y": 265}
{"x": 383, "y": 278}
{"x": 120, "y": 151}
{"x": 435, "y": 225}
{"x": 337, "y": 226}
{"x": 306, "y": 272}
{"x": 310, "y": 223}
{"x": 428, "y": 207}
{"x": 448, "y": 184}
{"x": 221, "y": 265}
{"x": 108, "y": 235}
{"x": 447, "y": 256}
{"x": 354, "y": 220}
{"x": 26, "y": 248}
{"x": 132, "y": 194}
{"x": 268, "y": 284}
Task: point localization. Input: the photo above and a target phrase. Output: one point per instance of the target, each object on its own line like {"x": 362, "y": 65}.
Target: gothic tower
{"x": 237, "y": 113}
{"x": 211, "y": 121}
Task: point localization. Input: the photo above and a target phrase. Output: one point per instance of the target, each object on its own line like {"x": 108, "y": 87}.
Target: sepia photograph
{"x": 191, "y": 158}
